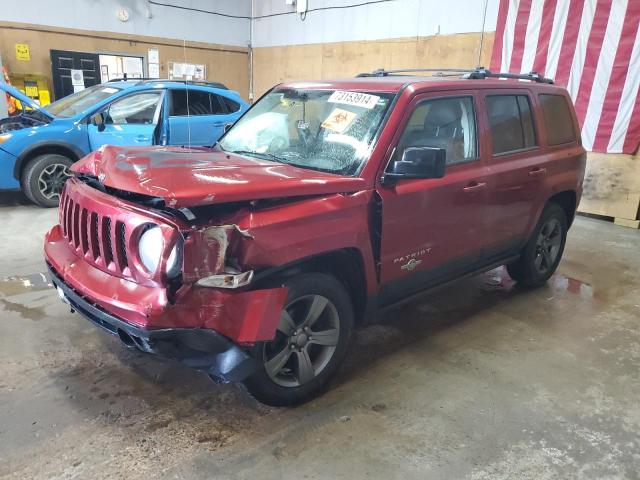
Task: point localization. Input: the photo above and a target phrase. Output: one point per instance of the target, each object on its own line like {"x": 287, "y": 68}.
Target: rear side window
{"x": 511, "y": 123}
{"x": 218, "y": 107}
{"x": 232, "y": 106}
{"x": 199, "y": 103}
{"x": 557, "y": 119}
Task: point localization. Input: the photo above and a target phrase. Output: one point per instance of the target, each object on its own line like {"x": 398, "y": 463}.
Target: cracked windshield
{"x": 326, "y": 130}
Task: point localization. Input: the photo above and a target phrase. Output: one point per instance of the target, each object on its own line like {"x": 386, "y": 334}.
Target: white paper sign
{"x": 356, "y": 99}
{"x": 153, "y": 55}
{"x": 199, "y": 72}
{"x": 154, "y": 70}
{"x": 78, "y": 88}
{"x": 77, "y": 78}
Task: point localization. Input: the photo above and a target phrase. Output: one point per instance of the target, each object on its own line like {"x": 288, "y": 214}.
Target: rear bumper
{"x": 198, "y": 348}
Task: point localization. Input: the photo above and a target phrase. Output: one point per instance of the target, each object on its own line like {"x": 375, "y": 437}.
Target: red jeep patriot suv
{"x": 254, "y": 259}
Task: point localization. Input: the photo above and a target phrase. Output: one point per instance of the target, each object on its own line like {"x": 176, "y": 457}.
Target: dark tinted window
{"x": 447, "y": 123}
{"x": 232, "y": 106}
{"x": 218, "y": 107}
{"x": 511, "y": 123}
{"x": 557, "y": 119}
{"x": 199, "y": 103}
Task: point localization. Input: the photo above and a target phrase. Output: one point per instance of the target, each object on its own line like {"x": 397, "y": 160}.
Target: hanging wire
{"x": 318, "y": 9}
{"x": 484, "y": 19}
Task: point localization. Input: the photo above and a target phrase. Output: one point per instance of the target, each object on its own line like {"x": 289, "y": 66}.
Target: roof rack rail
{"x": 468, "y": 73}
{"x": 381, "y": 72}
{"x": 154, "y": 80}
{"x": 481, "y": 73}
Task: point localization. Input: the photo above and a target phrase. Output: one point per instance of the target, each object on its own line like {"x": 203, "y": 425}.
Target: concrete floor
{"x": 481, "y": 381}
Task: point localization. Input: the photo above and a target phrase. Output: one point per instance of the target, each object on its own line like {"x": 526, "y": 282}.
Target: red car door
{"x": 516, "y": 169}
{"x": 434, "y": 229}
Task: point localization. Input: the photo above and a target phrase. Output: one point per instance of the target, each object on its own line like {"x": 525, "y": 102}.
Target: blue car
{"x": 38, "y": 144}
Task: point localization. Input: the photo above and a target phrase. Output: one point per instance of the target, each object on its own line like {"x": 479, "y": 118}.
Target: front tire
{"x": 310, "y": 343}
{"x": 542, "y": 253}
{"x": 44, "y": 177}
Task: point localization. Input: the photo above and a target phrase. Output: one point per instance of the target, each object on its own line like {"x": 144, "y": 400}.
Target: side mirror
{"x": 227, "y": 127}
{"x": 98, "y": 120}
{"x": 419, "y": 162}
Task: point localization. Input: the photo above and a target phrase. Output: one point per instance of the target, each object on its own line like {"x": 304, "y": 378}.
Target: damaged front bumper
{"x": 198, "y": 348}
{"x": 203, "y": 327}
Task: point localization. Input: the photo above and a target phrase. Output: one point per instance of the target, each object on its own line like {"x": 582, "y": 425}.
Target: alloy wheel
{"x": 548, "y": 245}
{"x": 52, "y": 179}
{"x": 306, "y": 339}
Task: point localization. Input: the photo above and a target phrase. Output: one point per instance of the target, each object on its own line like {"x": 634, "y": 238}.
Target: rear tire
{"x": 542, "y": 253}
{"x": 44, "y": 177}
{"x": 310, "y": 343}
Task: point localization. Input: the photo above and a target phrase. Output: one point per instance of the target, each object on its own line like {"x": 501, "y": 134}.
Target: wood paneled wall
{"x": 226, "y": 64}
{"x": 274, "y": 65}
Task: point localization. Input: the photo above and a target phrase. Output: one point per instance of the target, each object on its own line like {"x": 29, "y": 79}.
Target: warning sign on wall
{"x": 22, "y": 52}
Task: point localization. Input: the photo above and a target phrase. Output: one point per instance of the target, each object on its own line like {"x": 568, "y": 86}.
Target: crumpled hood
{"x": 202, "y": 176}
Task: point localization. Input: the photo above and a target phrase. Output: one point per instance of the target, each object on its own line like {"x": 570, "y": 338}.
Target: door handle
{"x": 219, "y": 124}
{"x": 141, "y": 138}
{"x": 474, "y": 187}
{"x": 537, "y": 172}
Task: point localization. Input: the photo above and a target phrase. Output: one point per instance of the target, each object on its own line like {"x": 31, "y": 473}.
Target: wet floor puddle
{"x": 499, "y": 279}
{"x": 13, "y": 287}
{"x": 24, "y": 284}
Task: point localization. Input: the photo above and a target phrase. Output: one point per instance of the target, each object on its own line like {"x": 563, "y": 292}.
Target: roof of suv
{"x": 394, "y": 83}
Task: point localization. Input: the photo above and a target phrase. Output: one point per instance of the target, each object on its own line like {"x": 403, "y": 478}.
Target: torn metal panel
{"x": 207, "y": 249}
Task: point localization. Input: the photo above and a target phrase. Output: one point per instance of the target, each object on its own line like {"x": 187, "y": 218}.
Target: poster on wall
{"x": 154, "y": 70}
{"x": 198, "y": 73}
{"x": 153, "y": 55}
{"x": 187, "y": 71}
{"x": 77, "y": 80}
{"x": 22, "y": 52}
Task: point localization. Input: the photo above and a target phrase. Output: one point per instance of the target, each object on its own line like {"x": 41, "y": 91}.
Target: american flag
{"x": 592, "y": 47}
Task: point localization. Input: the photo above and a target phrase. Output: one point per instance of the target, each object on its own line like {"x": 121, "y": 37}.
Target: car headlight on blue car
{"x": 150, "y": 248}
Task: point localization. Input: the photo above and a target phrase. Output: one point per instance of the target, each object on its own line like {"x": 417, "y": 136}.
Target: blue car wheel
{"x": 44, "y": 178}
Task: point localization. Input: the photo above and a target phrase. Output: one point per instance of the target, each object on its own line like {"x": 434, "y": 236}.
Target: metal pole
{"x": 251, "y": 54}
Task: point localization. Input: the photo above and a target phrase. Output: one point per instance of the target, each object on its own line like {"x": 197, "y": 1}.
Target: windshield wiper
{"x": 252, "y": 153}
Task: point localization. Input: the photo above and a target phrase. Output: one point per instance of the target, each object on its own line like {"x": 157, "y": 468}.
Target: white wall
{"x": 399, "y": 18}
{"x": 165, "y": 22}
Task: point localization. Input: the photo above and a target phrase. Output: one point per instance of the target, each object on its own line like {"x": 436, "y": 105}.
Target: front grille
{"x": 92, "y": 235}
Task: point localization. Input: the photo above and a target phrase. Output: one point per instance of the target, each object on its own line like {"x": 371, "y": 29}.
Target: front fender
{"x": 281, "y": 235}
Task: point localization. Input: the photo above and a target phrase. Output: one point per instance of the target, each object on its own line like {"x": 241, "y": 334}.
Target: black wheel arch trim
{"x": 31, "y": 150}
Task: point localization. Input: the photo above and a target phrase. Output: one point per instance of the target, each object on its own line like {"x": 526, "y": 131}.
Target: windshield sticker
{"x": 356, "y": 99}
{"x": 109, "y": 90}
{"x": 339, "y": 120}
